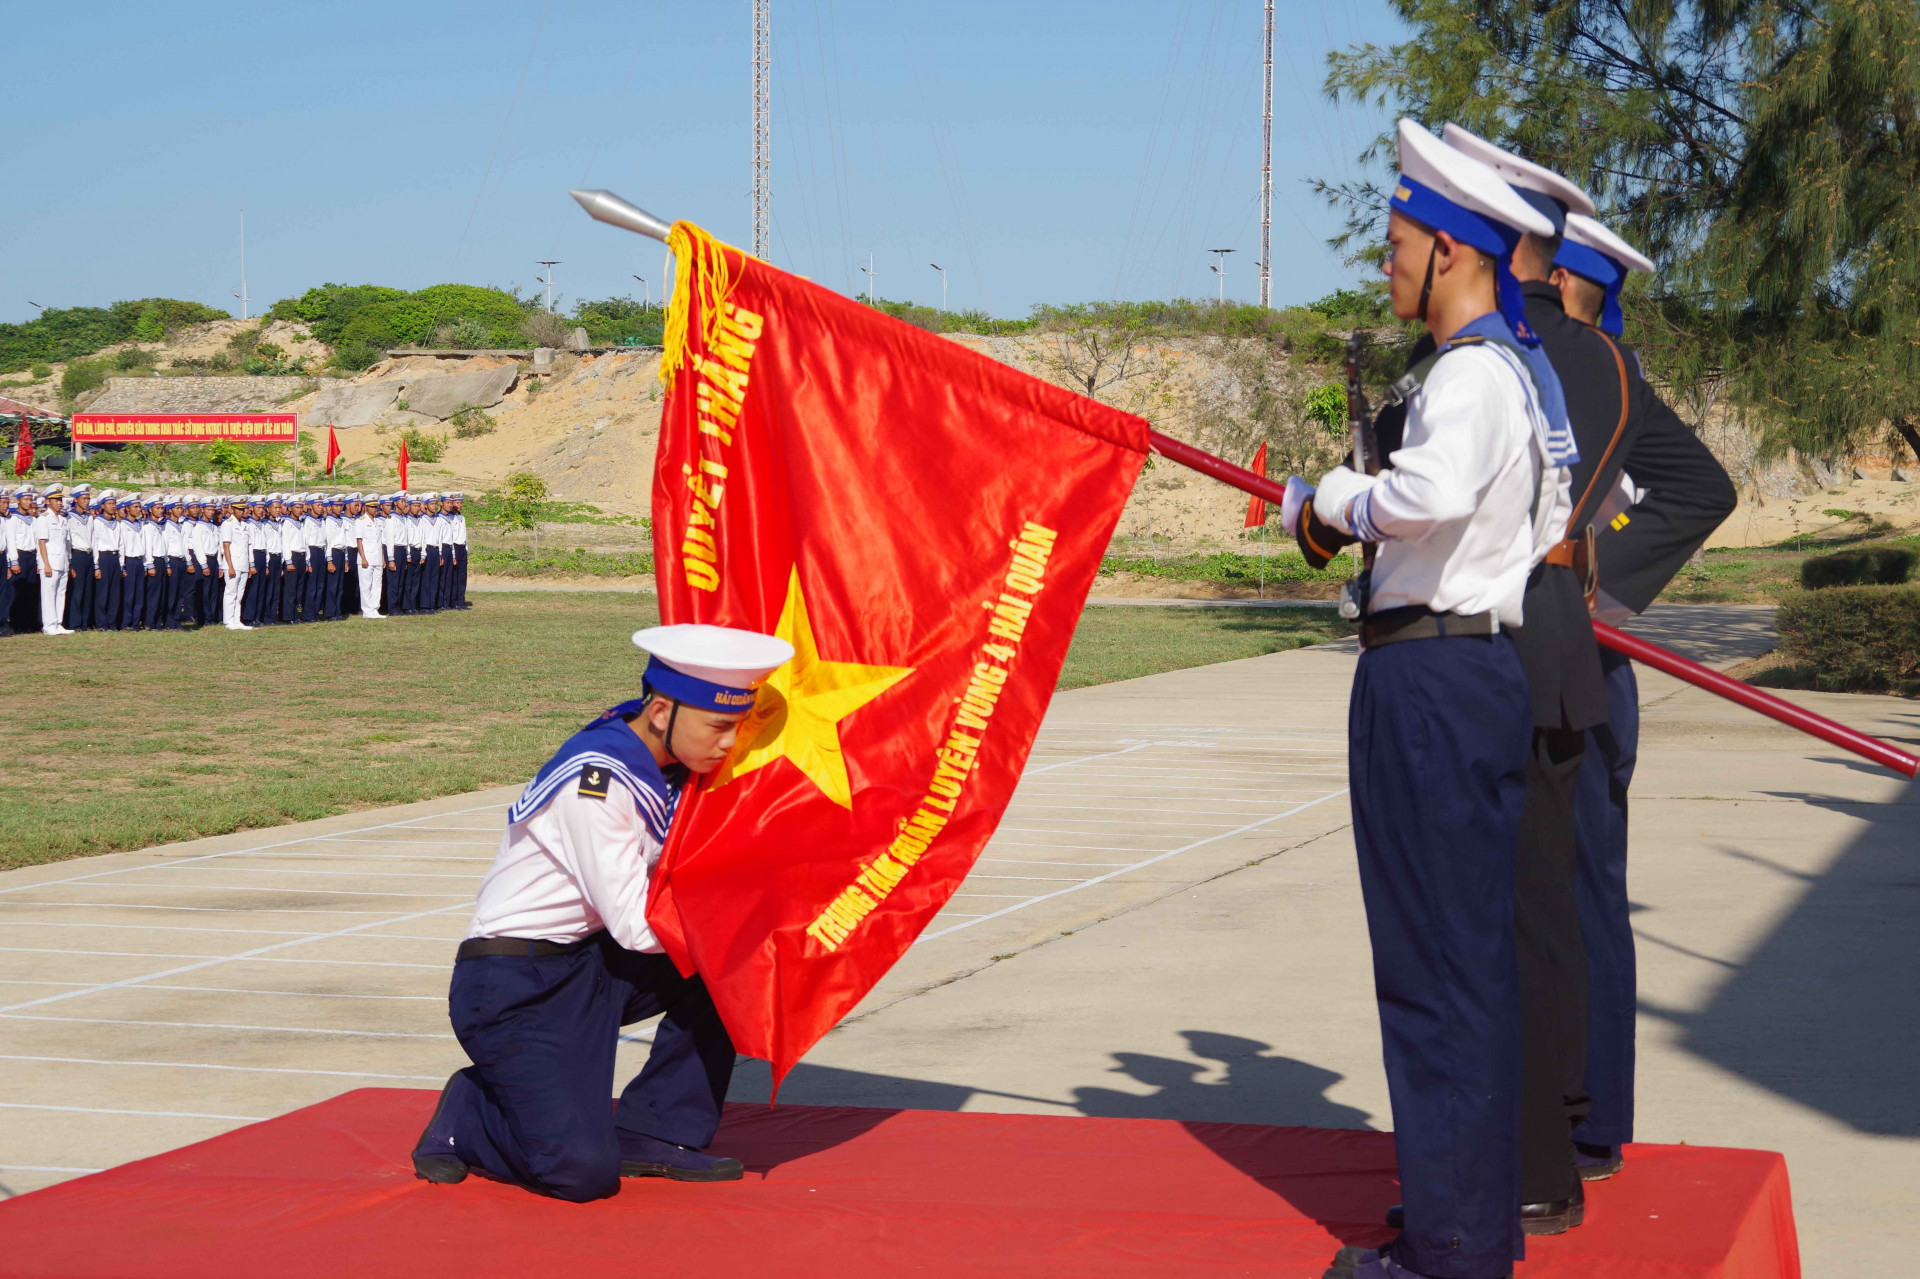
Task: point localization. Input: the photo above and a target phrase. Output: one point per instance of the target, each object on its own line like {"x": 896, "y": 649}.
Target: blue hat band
{"x": 1425, "y": 205}
{"x": 1591, "y": 264}
{"x": 690, "y": 690}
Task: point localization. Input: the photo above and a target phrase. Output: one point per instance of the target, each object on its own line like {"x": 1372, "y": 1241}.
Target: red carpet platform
{"x": 837, "y": 1191}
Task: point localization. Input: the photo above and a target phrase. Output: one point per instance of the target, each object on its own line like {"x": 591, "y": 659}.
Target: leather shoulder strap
{"x": 1619, "y": 430}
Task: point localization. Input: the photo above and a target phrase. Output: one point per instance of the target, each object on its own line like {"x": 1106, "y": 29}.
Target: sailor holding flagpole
{"x": 560, "y": 954}
{"x": 1441, "y": 718}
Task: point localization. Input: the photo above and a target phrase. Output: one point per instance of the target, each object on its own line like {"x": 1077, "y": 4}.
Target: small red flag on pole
{"x": 333, "y": 449}
{"x": 403, "y": 466}
{"x": 1257, "y": 506}
{"x": 23, "y": 449}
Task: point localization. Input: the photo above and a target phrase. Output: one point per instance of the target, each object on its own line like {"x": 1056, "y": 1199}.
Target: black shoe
{"x": 1397, "y": 1217}
{"x": 643, "y": 1156}
{"x": 1556, "y": 1217}
{"x": 428, "y": 1164}
{"x": 1597, "y": 1163}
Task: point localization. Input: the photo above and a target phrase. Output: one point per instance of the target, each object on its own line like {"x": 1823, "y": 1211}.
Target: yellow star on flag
{"x": 797, "y": 713}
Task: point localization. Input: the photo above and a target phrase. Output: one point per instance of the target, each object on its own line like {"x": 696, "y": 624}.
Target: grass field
{"x": 127, "y": 740}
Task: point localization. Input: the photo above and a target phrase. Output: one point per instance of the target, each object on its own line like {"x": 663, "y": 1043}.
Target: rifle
{"x": 1366, "y": 460}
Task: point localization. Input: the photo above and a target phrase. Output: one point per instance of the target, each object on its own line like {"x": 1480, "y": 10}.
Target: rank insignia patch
{"x": 593, "y": 782}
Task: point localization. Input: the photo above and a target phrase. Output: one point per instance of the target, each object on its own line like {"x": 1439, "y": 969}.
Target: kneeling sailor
{"x": 560, "y": 956}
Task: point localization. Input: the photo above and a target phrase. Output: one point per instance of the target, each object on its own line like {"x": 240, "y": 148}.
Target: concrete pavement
{"x": 1167, "y": 924}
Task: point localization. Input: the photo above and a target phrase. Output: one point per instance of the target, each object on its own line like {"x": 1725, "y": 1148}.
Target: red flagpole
{"x": 1661, "y": 659}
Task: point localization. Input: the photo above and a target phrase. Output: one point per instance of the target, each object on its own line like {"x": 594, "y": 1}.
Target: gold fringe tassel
{"x": 701, "y": 273}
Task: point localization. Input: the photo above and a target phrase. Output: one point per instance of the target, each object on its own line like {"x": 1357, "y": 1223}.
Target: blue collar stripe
{"x": 690, "y": 690}
{"x": 606, "y": 741}
{"x": 1594, "y": 265}
{"x": 1431, "y": 209}
{"x": 1542, "y": 388}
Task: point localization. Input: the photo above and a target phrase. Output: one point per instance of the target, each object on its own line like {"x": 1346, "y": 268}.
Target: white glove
{"x": 1298, "y": 491}
{"x": 1334, "y": 500}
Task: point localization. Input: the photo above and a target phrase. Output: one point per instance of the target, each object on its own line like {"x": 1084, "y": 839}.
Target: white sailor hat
{"x": 1449, "y": 190}
{"x": 81, "y": 490}
{"x": 54, "y": 490}
{"x": 714, "y": 668}
{"x": 1547, "y": 191}
{"x": 1591, "y": 251}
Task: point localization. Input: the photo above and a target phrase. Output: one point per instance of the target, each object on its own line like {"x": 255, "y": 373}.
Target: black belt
{"x": 1417, "y": 622}
{"x": 523, "y": 947}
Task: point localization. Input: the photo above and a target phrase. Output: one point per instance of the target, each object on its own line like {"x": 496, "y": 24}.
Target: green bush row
{"x": 71, "y": 332}
{"x": 1855, "y": 637}
{"x": 1874, "y": 566}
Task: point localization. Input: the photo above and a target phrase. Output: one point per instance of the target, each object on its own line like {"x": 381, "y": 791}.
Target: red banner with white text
{"x": 923, "y": 524}
{"x": 185, "y": 428}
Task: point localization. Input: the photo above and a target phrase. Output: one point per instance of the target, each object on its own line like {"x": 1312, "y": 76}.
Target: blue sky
{"x": 1054, "y": 150}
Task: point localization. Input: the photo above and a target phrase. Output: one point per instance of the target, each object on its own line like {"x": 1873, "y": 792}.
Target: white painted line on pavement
{"x": 210, "y": 961}
{"x": 101, "y": 1110}
{"x": 201, "y": 1065}
{"x": 296, "y": 994}
{"x": 214, "y": 1025}
{"x": 237, "y": 852}
{"x": 1199, "y": 843}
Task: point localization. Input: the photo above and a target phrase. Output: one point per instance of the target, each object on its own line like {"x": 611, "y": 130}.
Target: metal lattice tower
{"x": 1266, "y": 174}
{"x": 762, "y": 124}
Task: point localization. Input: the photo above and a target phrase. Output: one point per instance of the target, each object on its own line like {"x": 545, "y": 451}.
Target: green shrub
{"x": 469, "y": 421}
{"x": 41, "y": 371}
{"x": 132, "y": 358}
{"x": 1855, "y": 637}
{"x": 1874, "y": 566}
{"x": 82, "y": 376}
{"x": 422, "y": 447}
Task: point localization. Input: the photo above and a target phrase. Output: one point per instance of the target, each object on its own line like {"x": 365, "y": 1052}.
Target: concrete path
{"x": 1167, "y": 924}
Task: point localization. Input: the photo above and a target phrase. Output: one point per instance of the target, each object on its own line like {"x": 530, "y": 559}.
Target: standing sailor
{"x": 1682, "y": 495}
{"x": 395, "y": 553}
{"x": 236, "y": 562}
{"x": 368, "y": 555}
{"x": 80, "y": 548}
{"x": 458, "y": 523}
{"x": 9, "y": 563}
{"x": 50, "y": 545}
{"x": 107, "y": 582}
{"x": 173, "y": 604}
{"x": 293, "y": 555}
{"x": 133, "y": 561}
{"x": 21, "y": 547}
{"x": 335, "y": 524}
{"x": 1569, "y": 698}
{"x": 1441, "y": 716}
{"x": 560, "y": 955}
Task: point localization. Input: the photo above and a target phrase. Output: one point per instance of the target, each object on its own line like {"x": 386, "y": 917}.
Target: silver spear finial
{"x": 605, "y": 206}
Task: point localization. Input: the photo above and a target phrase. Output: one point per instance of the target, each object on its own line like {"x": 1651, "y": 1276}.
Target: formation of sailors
{"x": 124, "y": 562}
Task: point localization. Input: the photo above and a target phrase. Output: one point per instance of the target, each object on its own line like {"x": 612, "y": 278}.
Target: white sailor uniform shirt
{"x": 80, "y": 532}
{"x": 235, "y": 542}
{"x": 574, "y": 865}
{"x": 174, "y": 539}
{"x": 51, "y": 529}
{"x": 365, "y": 540}
{"x": 1452, "y": 514}
{"x": 17, "y": 535}
{"x": 105, "y": 534}
{"x": 153, "y": 542}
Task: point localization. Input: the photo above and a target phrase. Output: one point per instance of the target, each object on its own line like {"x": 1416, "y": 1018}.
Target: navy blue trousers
{"x": 1439, "y": 732}
{"x": 106, "y": 591}
{"x": 80, "y": 593}
{"x": 337, "y": 558}
{"x": 1600, "y": 813}
{"x": 133, "y": 594}
{"x": 459, "y": 575}
{"x": 8, "y": 588}
{"x": 533, "y": 1108}
{"x": 173, "y": 599}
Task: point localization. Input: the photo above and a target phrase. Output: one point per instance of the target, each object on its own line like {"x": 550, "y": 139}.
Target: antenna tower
{"x": 762, "y": 125}
{"x": 1266, "y": 174}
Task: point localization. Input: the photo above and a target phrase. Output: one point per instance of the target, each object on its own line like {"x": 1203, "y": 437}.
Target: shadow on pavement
{"x": 1826, "y": 1010}
{"x": 1256, "y": 1087}
{"x": 1709, "y": 633}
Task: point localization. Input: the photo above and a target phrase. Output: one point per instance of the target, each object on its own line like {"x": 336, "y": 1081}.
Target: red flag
{"x": 333, "y": 451}
{"x": 1257, "y": 506}
{"x": 403, "y": 464}
{"x": 923, "y": 524}
{"x": 23, "y": 449}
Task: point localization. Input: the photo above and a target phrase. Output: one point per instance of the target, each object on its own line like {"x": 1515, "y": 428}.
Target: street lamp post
{"x": 1221, "y": 270}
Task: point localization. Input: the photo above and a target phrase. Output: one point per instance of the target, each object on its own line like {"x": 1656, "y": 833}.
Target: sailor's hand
{"x": 1333, "y": 500}
{"x": 1298, "y": 491}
